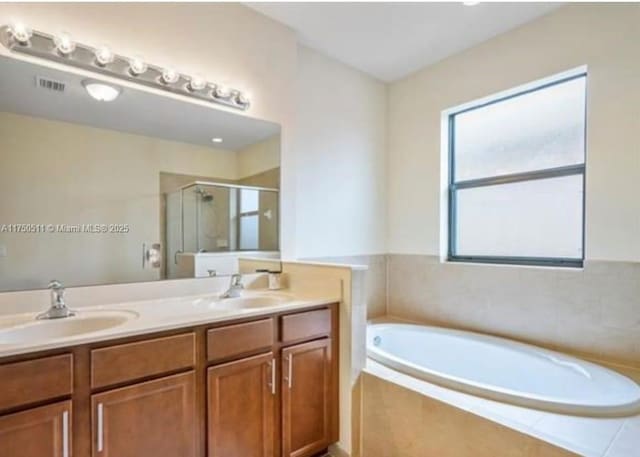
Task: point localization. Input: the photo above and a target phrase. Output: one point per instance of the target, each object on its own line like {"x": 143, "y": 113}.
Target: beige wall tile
{"x": 401, "y": 423}
{"x": 594, "y": 311}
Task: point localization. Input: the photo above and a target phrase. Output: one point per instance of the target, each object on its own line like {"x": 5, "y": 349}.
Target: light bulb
{"x": 20, "y": 32}
{"x": 216, "y": 140}
{"x": 64, "y": 44}
{"x": 170, "y": 76}
{"x": 137, "y": 66}
{"x": 242, "y": 98}
{"x": 104, "y": 56}
{"x": 221, "y": 91}
{"x": 197, "y": 83}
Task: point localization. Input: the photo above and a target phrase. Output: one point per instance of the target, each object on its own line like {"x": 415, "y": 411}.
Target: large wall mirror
{"x": 144, "y": 187}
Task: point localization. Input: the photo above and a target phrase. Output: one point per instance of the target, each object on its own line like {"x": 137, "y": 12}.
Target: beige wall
{"x": 341, "y": 176}
{"x": 259, "y": 157}
{"x": 604, "y": 37}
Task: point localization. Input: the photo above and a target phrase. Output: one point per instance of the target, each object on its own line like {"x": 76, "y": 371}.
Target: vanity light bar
{"x": 63, "y": 49}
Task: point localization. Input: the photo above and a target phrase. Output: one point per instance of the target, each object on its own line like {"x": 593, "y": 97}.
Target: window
{"x": 516, "y": 177}
{"x": 249, "y": 219}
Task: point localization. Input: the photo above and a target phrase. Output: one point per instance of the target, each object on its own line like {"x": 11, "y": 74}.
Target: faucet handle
{"x": 57, "y": 293}
{"x": 236, "y": 280}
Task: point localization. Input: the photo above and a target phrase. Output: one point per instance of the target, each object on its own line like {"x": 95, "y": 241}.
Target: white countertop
{"x": 150, "y": 316}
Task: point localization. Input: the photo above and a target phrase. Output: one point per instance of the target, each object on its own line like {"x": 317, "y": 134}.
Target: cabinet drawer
{"x": 36, "y": 380}
{"x": 240, "y": 339}
{"x": 131, "y": 361}
{"x": 306, "y": 325}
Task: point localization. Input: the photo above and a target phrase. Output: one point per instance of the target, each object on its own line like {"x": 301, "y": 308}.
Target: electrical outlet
{"x": 3, "y": 250}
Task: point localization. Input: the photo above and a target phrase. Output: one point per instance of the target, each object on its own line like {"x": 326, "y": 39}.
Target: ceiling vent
{"x": 50, "y": 84}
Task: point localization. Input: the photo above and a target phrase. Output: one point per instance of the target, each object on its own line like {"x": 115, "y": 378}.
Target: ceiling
{"x": 134, "y": 111}
{"x": 391, "y": 40}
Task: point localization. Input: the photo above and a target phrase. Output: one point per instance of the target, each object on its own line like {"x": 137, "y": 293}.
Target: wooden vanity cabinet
{"x": 257, "y": 387}
{"x": 282, "y": 402}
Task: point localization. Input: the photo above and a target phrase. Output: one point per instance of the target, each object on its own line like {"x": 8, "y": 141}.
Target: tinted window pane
{"x": 539, "y": 218}
{"x": 249, "y": 232}
{"x": 249, "y": 200}
{"x": 534, "y": 131}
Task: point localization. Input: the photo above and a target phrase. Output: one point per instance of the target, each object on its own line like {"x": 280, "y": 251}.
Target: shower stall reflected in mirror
{"x": 216, "y": 218}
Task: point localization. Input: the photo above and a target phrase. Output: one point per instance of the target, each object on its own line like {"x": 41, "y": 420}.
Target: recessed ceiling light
{"x": 216, "y": 140}
{"x": 101, "y": 91}
{"x": 470, "y": 3}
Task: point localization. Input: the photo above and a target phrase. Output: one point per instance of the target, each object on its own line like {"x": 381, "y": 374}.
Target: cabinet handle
{"x": 65, "y": 434}
{"x": 273, "y": 376}
{"x": 290, "y": 371}
{"x": 100, "y": 428}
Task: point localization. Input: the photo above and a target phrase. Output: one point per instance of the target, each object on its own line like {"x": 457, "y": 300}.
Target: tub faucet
{"x": 235, "y": 288}
{"x": 58, "y": 308}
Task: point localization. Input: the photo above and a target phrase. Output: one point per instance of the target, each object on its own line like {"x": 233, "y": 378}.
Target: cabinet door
{"x": 241, "y": 408}
{"x": 306, "y": 398}
{"x": 37, "y": 432}
{"x": 153, "y": 418}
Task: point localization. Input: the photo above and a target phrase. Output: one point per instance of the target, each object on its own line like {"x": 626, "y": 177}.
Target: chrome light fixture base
{"x": 45, "y": 46}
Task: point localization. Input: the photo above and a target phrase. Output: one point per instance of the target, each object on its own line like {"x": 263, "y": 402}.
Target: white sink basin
{"x": 81, "y": 324}
{"x": 245, "y": 302}
{"x": 259, "y": 301}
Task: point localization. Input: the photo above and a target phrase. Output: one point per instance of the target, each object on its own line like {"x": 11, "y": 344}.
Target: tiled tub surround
{"x": 375, "y": 280}
{"x": 593, "y": 312}
{"x": 413, "y": 418}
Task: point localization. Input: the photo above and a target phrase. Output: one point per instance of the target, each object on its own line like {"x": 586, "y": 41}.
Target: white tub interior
{"x": 503, "y": 370}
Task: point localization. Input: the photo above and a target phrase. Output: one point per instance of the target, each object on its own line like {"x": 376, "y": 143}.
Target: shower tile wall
{"x": 595, "y": 311}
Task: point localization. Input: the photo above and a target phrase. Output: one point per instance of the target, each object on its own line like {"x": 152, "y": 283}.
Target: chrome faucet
{"x": 58, "y": 308}
{"x": 235, "y": 288}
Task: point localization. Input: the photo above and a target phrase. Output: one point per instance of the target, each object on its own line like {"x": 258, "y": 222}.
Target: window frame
{"x": 453, "y": 186}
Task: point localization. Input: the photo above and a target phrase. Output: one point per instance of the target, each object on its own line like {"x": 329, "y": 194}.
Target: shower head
{"x": 204, "y": 195}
